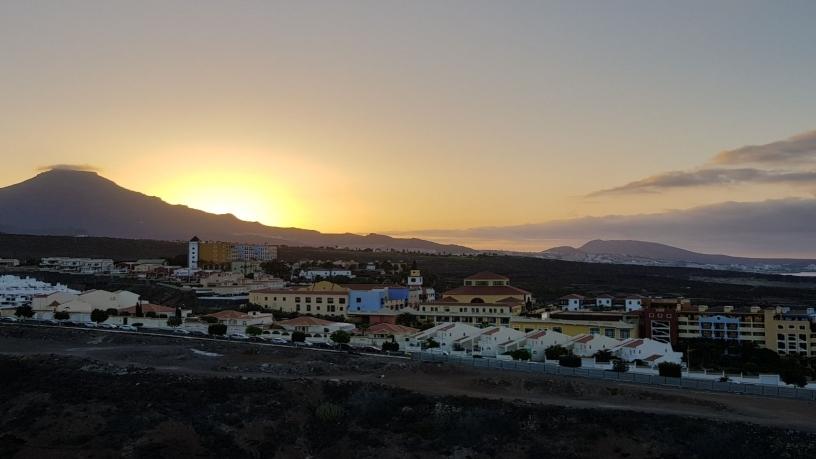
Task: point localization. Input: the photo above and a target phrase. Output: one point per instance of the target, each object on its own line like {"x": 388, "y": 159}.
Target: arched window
{"x": 477, "y": 300}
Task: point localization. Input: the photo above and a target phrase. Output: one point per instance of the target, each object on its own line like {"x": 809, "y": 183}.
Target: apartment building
{"x": 790, "y": 332}
{"x": 612, "y": 324}
{"x": 211, "y": 253}
{"x": 77, "y": 265}
{"x": 320, "y": 298}
{"x": 727, "y": 323}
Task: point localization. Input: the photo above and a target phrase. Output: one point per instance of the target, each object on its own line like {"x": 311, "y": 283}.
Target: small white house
{"x": 633, "y": 303}
{"x": 537, "y": 341}
{"x": 494, "y": 341}
{"x": 445, "y": 334}
{"x": 647, "y": 350}
{"x": 587, "y": 345}
{"x": 604, "y": 301}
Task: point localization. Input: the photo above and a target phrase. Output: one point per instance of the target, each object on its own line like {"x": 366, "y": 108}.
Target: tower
{"x": 415, "y": 278}
{"x": 192, "y": 253}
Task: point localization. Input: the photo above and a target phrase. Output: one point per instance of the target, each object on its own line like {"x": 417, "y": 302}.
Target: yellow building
{"x": 790, "y": 333}
{"x": 214, "y": 253}
{"x": 487, "y": 287}
{"x": 320, "y": 298}
{"x": 618, "y": 325}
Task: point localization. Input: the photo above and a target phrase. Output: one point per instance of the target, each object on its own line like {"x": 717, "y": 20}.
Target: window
{"x": 594, "y": 331}
{"x": 342, "y": 301}
{"x": 557, "y": 329}
{"x": 624, "y": 334}
{"x": 330, "y": 300}
{"x": 297, "y": 299}
{"x": 319, "y": 299}
{"x": 610, "y": 332}
{"x": 308, "y": 299}
{"x": 359, "y": 300}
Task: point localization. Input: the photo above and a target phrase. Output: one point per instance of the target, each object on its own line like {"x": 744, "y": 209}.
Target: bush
{"x": 209, "y": 319}
{"x": 555, "y": 352}
{"x": 570, "y": 361}
{"x": 61, "y": 315}
{"x": 24, "y": 311}
{"x": 431, "y": 343}
{"x": 620, "y": 366}
{"x": 603, "y": 356}
{"x": 793, "y": 372}
{"x": 173, "y": 322}
{"x": 329, "y": 412}
{"x": 390, "y": 346}
{"x": 253, "y": 331}
{"x": 217, "y": 329}
{"x": 521, "y": 354}
{"x": 341, "y": 337}
{"x": 99, "y": 316}
{"x": 670, "y": 370}
{"x": 298, "y": 336}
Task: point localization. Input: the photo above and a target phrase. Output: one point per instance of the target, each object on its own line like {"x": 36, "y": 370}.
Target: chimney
{"x": 702, "y": 308}
{"x": 728, "y": 308}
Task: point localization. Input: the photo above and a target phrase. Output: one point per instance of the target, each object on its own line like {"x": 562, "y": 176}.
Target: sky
{"x": 416, "y": 117}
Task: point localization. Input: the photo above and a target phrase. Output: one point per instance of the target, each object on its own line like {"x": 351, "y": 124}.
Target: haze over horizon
{"x": 486, "y": 124}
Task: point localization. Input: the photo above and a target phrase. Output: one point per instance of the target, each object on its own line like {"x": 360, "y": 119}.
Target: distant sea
{"x": 803, "y": 274}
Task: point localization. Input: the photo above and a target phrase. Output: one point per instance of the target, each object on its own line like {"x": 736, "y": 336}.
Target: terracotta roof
{"x": 492, "y": 331}
{"x": 631, "y": 344}
{"x": 487, "y": 275}
{"x": 582, "y": 339}
{"x": 652, "y": 358}
{"x": 605, "y": 295}
{"x": 229, "y": 314}
{"x": 510, "y": 299}
{"x": 447, "y": 327}
{"x": 486, "y": 290}
{"x": 537, "y": 334}
{"x": 390, "y": 329}
{"x": 449, "y": 299}
{"x": 305, "y": 321}
{"x": 572, "y": 296}
{"x": 157, "y": 308}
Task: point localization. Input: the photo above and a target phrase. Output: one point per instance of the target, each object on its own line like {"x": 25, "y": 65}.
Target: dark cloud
{"x": 709, "y": 177}
{"x": 774, "y": 228}
{"x": 795, "y": 150}
{"x": 69, "y": 167}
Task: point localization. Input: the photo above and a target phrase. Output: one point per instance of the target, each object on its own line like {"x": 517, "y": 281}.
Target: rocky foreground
{"x": 58, "y": 406}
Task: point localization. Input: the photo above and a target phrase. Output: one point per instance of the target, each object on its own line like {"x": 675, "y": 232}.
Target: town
{"x": 253, "y": 297}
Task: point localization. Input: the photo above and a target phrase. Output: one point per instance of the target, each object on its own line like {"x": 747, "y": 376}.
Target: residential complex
{"x": 77, "y": 265}
{"x": 215, "y": 253}
{"x": 16, "y": 291}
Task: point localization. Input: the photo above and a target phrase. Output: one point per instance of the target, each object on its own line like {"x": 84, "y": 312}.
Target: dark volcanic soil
{"x": 69, "y": 393}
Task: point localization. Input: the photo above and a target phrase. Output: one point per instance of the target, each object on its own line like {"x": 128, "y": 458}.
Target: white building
{"x": 648, "y": 350}
{"x": 192, "y": 253}
{"x": 495, "y": 341}
{"x": 16, "y": 291}
{"x": 312, "y": 325}
{"x": 588, "y": 345}
{"x": 538, "y": 341}
{"x": 313, "y": 274}
{"x": 445, "y": 334}
{"x": 633, "y": 303}
{"x": 77, "y": 265}
{"x": 9, "y": 262}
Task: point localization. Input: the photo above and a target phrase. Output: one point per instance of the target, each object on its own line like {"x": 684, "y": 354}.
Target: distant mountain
{"x": 73, "y": 203}
{"x": 652, "y": 253}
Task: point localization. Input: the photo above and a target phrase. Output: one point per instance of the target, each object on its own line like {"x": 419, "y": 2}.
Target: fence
{"x": 636, "y": 378}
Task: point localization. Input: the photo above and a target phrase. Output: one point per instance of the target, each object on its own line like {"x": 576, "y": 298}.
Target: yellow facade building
{"x": 320, "y": 298}
{"x": 618, "y": 325}
{"x": 790, "y": 333}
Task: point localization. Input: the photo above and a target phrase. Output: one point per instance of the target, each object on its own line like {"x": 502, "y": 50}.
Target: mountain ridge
{"x": 73, "y": 203}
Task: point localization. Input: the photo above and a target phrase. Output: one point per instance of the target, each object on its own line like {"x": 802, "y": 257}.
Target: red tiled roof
{"x": 157, "y": 308}
{"x": 632, "y": 343}
{"x": 486, "y": 290}
{"x": 572, "y": 296}
{"x": 492, "y": 331}
{"x": 510, "y": 299}
{"x": 390, "y": 329}
{"x": 487, "y": 275}
{"x": 447, "y": 327}
{"x": 229, "y": 314}
{"x": 582, "y": 339}
{"x": 652, "y": 358}
{"x": 303, "y": 321}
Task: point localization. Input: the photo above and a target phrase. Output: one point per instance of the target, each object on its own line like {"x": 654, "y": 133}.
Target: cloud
{"x": 69, "y": 167}
{"x": 793, "y": 151}
{"x": 773, "y": 228}
{"x": 709, "y": 177}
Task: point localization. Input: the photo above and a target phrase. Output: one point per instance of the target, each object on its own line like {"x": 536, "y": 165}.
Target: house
{"x": 22, "y": 291}
{"x": 613, "y": 324}
{"x": 312, "y": 325}
{"x": 647, "y": 350}
{"x": 539, "y": 340}
{"x": 633, "y": 303}
{"x": 78, "y": 310}
{"x": 104, "y": 300}
{"x": 242, "y": 319}
{"x": 588, "y": 345}
{"x": 495, "y": 341}
{"x": 445, "y": 334}
{"x": 572, "y": 302}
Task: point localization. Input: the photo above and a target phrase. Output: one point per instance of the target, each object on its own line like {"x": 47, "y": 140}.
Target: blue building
{"x": 720, "y": 327}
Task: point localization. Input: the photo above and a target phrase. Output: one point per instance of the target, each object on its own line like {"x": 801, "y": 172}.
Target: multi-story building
{"x": 612, "y": 324}
{"x": 312, "y": 274}
{"x": 320, "y": 298}
{"x": 77, "y": 265}
{"x": 790, "y": 332}
{"x": 729, "y": 323}
{"x": 212, "y": 253}
{"x": 16, "y": 291}
{"x": 485, "y": 298}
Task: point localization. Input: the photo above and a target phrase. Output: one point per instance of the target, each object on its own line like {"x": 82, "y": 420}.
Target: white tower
{"x": 415, "y": 278}
{"x": 192, "y": 253}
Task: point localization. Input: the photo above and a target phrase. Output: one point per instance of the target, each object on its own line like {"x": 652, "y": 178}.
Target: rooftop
{"x": 487, "y": 275}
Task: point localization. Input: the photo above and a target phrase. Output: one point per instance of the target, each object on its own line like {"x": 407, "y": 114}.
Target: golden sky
{"x": 395, "y": 117}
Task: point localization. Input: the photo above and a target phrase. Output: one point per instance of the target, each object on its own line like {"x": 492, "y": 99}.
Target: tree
{"x": 620, "y": 366}
{"x": 297, "y": 336}
{"x": 340, "y": 337}
{"x": 431, "y": 344}
{"x": 669, "y": 369}
{"x": 253, "y": 331}
{"x": 138, "y": 312}
{"x": 277, "y": 268}
{"x": 555, "y": 352}
{"x": 61, "y": 315}
{"x": 521, "y": 354}
{"x": 178, "y": 312}
{"x": 390, "y": 346}
{"x": 793, "y": 372}
{"x": 570, "y": 360}
{"x": 174, "y": 322}
{"x": 99, "y": 316}
{"x": 24, "y": 311}
{"x": 217, "y": 329}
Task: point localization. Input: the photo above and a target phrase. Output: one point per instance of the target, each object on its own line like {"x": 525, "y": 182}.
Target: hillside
{"x": 71, "y": 203}
{"x": 652, "y": 253}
